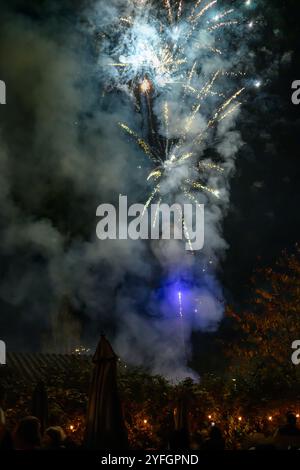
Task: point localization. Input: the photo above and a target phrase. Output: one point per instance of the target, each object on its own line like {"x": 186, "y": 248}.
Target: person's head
{"x": 291, "y": 418}
{"x": 215, "y": 433}
{"x": 180, "y": 439}
{"x": 257, "y": 427}
{"x": 27, "y": 434}
{"x": 6, "y": 442}
{"x": 54, "y": 437}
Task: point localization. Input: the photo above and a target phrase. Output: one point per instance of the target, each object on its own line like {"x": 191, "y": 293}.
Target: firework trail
{"x": 180, "y": 304}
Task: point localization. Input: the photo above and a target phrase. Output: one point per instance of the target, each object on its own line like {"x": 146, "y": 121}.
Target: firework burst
{"x": 171, "y": 59}
{"x": 180, "y": 154}
{"x": 179, "y": 68}
{"x": 161, "y": 40}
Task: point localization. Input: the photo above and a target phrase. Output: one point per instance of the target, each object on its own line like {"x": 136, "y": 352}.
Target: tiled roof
{"x": 35, "y": 366}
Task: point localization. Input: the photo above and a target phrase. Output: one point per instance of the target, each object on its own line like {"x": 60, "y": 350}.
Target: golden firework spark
{"x": 230, "y": 111}
{"x": 143, "y": 145}
{"x": 156, "y": 212}
{"x": 179, "y": 11}
{"x": 169, "y": 10}
{"x": 151, "y": 197}
{"x": 145, "y": 86}
{"x": 187, "y": 236}
{"x": 204, "y": 10}
{"x": 184, "y": 157}
{"x": 165, "y": 60}
{"x": 154, "y": 174}
{"x": 215, "y": 192}
{"x": 222, "y": 25}
{"x": 211, "y": 166}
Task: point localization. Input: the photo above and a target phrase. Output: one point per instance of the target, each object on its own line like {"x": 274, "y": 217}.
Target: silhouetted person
{"x": 215, "y": 440}
{"x": 5, "y": 437}
{"x": 54, "y": 438}
{"x": 27, "y": 434}
{"x": 39, "y": 406}
{"x": 288, "y": 436}
{"x": 6, "y": 442}
{"x": 256, "y": 440}
{"x": 180, "y": 440}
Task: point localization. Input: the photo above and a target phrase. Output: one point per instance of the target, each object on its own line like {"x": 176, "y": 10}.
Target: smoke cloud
{"x": 62, "y": 154}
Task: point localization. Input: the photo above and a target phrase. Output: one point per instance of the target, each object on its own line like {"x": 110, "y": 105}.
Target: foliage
{"x": 260, "y": 355}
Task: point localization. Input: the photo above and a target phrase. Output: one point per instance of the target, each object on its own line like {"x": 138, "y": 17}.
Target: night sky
{"x": 50, "y": 177}
{"x": 264, "y": 217}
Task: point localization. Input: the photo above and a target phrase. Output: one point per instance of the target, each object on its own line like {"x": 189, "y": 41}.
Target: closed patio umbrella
{"x": 181, "y": 414}
{"x": 105, "y": 428}
{"x": 40, "y": 404}
{"x": 180, "y": 437}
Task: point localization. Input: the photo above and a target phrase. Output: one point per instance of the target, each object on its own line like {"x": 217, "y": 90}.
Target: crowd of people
{"x": 286, "y": 437}
{"x": 28, "y": 435}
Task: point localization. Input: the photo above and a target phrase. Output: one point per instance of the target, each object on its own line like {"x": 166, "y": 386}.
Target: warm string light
{"x": 81, "y": 350}
{"x": 240, "y": 418}
{"x": 73, "y": 428}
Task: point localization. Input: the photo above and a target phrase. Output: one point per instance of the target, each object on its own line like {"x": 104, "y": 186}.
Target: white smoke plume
{"x": 62, "y": 153}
